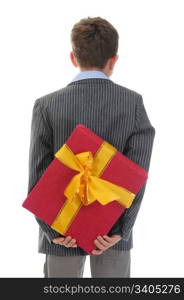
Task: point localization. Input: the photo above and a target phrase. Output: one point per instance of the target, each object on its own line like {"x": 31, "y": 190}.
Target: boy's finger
{"x": 97, "y": 252}
{"x": 58, "y": 240}
{"x": 108, "y": 238}
{"x": 67, "y": 239}
{"x": 99, "y": 245}
{"x": 103, "y": 241}
{"x": 71, "y": 243}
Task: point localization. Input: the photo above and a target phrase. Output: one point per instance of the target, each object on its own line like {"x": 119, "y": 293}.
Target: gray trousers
{"x": 111, "y": 263}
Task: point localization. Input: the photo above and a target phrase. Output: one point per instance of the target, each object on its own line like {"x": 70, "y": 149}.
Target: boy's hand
{"x": 105, "y": 242}
{"x": 65, "y": 241}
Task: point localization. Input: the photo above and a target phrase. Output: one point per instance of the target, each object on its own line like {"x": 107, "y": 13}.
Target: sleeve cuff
{"x": 115, "y": 230}
{"x": 51, "y": 234}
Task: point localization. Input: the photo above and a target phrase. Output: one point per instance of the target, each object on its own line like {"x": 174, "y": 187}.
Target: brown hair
{"x": 94, "y": 41}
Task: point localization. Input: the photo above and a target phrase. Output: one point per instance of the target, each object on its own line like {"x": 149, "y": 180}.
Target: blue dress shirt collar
{"x": 90, "y": 74}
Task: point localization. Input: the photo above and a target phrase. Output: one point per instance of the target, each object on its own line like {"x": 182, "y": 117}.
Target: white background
{"x": 34, "y": 61}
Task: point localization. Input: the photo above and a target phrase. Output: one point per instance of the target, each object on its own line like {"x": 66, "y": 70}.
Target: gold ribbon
{"x": 87, "y": 186}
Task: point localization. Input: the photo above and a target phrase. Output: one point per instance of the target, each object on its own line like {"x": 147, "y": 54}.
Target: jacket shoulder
{"x": 127, "y": 91}
{"x": 48, "y": 98}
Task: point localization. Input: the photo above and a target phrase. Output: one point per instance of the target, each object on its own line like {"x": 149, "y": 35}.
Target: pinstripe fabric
{"x": 112, "y": 111}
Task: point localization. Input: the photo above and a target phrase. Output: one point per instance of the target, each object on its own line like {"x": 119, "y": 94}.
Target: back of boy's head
{"x": 94, "y": 41}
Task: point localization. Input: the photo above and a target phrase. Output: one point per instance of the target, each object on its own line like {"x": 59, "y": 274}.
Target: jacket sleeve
{"x": 40, "y": 156}
{"x": 138, "y": 148}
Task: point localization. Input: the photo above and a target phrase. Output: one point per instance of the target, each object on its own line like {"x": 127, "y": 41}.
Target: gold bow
{"x": 87, "y": 183}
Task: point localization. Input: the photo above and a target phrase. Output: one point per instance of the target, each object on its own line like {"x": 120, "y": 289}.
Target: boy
{"x": 112, "y": 111}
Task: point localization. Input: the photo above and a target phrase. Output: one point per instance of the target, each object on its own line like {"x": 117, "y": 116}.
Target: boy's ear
{"x": 115, "y": 58}
{"x": 112, "y": 61}
{"x": 73, "y": 59}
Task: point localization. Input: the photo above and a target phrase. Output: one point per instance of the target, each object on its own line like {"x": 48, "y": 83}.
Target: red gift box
{"x": 86, "y": 188}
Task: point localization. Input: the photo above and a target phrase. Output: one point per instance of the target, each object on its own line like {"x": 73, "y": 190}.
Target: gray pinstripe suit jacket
{"x": 112, "y": 111}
